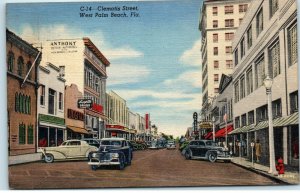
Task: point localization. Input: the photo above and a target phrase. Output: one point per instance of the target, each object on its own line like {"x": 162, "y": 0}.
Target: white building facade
{"x": 266, "y": 45}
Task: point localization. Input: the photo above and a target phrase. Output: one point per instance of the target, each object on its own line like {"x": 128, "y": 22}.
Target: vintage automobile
{"x": 70, "y": 149}
{"x": 135, "y": 146}
{"x": 206, "y": 149}
{"x": 112, "y": 151}
{"x": 92, "y": 141}
{"x": 153, "y": 145}
{"x": 171, "y": 144}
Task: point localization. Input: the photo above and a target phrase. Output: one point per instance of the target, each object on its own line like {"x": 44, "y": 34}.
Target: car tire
{"x": 122, "y": 163}
{"x": 212, "y": 157}
{"x": 49, "y": 158}
{"x": 94, "y": 168}
{"x": 187, "y": 155}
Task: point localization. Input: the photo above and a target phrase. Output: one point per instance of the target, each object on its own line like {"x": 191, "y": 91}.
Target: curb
{"x": 280, "y": 181}
{"x": 20, "y": 163}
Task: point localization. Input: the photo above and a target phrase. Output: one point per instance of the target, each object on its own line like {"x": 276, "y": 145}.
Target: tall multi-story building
{"x": 218, "y": 23}
{"x": 22, "y": 63}
{"x": 51, "y": 130}
{"x": 85, "y": 66}
{"x": 266, "y": 45}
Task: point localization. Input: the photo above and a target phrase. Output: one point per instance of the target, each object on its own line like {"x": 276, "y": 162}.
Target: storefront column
{"x": 285, "y": 145}
{"x": 247, "y": 144}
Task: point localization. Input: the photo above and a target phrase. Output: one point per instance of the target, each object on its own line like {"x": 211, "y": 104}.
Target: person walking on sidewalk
{"x": 257, "y": 150}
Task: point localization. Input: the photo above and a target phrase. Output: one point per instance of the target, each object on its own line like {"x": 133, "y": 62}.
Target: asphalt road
{"x": 150, "y": 168}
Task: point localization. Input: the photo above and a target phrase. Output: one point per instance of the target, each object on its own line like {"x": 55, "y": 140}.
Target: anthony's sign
{"x": 85, "y": 103}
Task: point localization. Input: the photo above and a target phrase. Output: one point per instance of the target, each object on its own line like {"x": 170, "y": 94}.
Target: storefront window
{"x": 43, "y": 137}
{"x": 60, "y": 136}
{"x": 50, "y": 137}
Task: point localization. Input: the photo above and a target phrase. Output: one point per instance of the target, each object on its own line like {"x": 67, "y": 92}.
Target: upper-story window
{"x": 240, "y": 21}
{"x": 28, "y": 69}
{"x": 276, "y": 108}
{"x": 216, "y": 64}
{"x": 259, "y": 22}
{"x": 229, "y": 64}
{"x": 236, "y": 92}
{"x": 237, "y": 122}
{"x": 10, "y": 61}
{"x": 242, "y": 47}
{"x": 215, "y": 38}
{"x": 273, "y": 7}
{"x": 244, "y": 120}
{"x": 250, "y": 117}
{"x": 51, "y": 101}
{"x": 242, "y": 87}
{"x": 42, "y": 95}
{"x": 20, "y": 66}
{"x": 229, "y": 36}
{"x": 229, "y": 22}
{"x": 249, "y": 37}
{"x": 229, "y": 9}
{"x": 215, "y": 23}
{"x": 215, "y": 10}
{"x": 249, "y": 80}
{"x": 236, "y": 57}
{"x": 292, "y": 44}
{"x": 261, "y": 113}
{"x": 228, "y": 49}
{"x": 216, "y": 90}
{"x": 259, "y": 72}
{"x": 243, "y": 8}
{"x": 294, "y": 102}
{"x": 60, "y": 101}
{"x": 216, "y": 78}
{"x": 216, "y": 51}
{"x": 274, "y": 60}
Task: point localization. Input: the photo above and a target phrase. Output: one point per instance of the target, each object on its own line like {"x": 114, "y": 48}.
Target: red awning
{"x": 222, "y": 132}
{"x": 209, "y": 135}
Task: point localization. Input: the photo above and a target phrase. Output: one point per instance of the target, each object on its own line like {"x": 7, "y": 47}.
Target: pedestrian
{"x": 257, "y": 151}
{"x": 243, "y": 147}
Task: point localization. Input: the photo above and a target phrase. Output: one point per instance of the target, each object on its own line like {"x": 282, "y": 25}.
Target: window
{"x": 229, "y": 64}
{"x": 242, "y": 47}
{"x": 292, "y": 44}
{"x": 20, "y": 66}
{"x": 215, "y": 23}
{"x": 60, "y": 101}
{"x": 294, "y": 102}
{"x": 250, "y": 117}
{"x": 216, "y": 78}
{"x": 244, "y": 120}
{"x": 273, "y": 7}
{"x": 51, "y": 102}
{"x": 276, "y": 108}
{"x": 229, "y": 9}
{"x": 237, "y": 122}
{"x": 236, "y": 57}
{"x": 22, "y": 133}
{"x": 216, "y": 90}
{"x": 261, "y": 113}
{"x": 259, "y": 22}
{"x": 215, "y": 10}
{"x": 215, "y": 51}
{"x": 259, "y": 72}
{"x": 215, "y": 37}
{"x": 229, "y": 23}
{"x": 28, "y": 69}
{"x": 243, "y": 8}
{"x": 240, "y": 21}
{"x": 30, "y": 134}
{"x": 249, "y": 79}
{"x": 229, "y": 36}
{"x": 236, "y": 92}
{"x": 10, "y": 61}
{"x": 274, "y": 60}
{"x": 42, "y": 95}
{"x": 216, "y": 64}
{"x": 242, "y": 87}
{"x": 228, "y": 49}
{"x": 249, "y": 37}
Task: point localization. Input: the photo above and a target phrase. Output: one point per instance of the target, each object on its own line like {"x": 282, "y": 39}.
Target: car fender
{"x": 92, "y": 149}
{"x": 56, "y": 154}
{"x": 211, "y": 151}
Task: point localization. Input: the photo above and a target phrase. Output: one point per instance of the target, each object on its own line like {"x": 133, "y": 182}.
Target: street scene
{"x": 152, "y": 94}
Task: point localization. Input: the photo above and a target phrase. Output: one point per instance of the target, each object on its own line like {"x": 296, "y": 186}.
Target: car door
{"x": 63, "y": 148}
{"x": 84, "y": 147}
{"x": 74, "y": 149}
{"x": 125, "y": 149}
{"x": 202, "y": 149}
{"x": 194, "y": 148}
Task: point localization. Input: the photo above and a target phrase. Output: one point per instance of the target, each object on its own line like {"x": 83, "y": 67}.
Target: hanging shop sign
{"x": 85, "y": 103}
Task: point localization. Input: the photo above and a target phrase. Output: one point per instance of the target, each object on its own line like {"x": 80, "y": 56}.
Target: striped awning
{"x": 243, "y": 129}
{"x": 261, "y": 125}
{"x": 292, "y": 119}
{"x": 78, "y": 129}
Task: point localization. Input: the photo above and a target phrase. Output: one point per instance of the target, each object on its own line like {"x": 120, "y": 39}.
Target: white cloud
{"x": 192, "y": 77}
{"x": 123, "y": 52}
{"x": 125, "y": 73}
{"x": 192, "y": 56}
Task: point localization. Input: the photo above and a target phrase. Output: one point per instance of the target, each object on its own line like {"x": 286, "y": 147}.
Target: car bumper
{"x": 103, "y": 163}
{"x": 224, "y": 158}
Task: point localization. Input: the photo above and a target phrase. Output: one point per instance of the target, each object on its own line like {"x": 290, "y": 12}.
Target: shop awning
{"x": 243, "y": 129}
{"x": 209, "y": 135}
{"x": 261, "y": 125}
{"x": 222, "y": 132}
{"x": 292, "y": 119}
{"x": 78, "y": 129}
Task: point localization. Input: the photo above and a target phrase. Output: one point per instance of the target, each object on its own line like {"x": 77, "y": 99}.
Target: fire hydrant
{"x": 280, "y": 166}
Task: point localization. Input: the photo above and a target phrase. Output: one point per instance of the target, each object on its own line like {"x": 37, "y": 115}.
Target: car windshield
{"x": 211, "y": 143}
{"x": 111, "y": 143}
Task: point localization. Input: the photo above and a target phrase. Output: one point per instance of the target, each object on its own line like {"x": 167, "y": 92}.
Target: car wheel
{"x": 122, "y": 163}
{"x": 212, "y": 157}
{"x": 187, "y": 155}
{"x": 94, "y": 167}
{"x": 49, "y": 158}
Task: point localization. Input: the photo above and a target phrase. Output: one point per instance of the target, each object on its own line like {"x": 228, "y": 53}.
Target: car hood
{"x": 108, "y": 148}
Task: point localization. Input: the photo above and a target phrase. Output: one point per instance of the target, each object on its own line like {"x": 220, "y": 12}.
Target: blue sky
{"x": 155, "y": 58}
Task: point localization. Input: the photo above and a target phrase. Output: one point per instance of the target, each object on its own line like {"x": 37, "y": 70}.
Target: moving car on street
{"x": 206, "y": 149}
{"x": 70, "y": 149}
{"x": 112, "y": 151}
{"x": 171, "y": 144}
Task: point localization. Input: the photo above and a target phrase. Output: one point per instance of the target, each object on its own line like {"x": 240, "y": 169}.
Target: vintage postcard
{"x": 118, "y": 94}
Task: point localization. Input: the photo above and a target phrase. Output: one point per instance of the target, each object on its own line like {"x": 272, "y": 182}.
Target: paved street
{"x": 149, "y": 168}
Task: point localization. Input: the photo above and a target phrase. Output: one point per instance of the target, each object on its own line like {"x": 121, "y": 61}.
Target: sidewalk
{"x": 26, "y": 158}
{"x": 289, "y": 177}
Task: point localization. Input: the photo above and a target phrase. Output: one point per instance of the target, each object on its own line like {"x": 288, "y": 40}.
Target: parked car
{"x": 112, "y": 151}
{"x": 70, "y": 149}
{"x": 92, "y": 141}
{"x": 135, "y": 146}
{"x": 206, "y": 149}
{"x": 154, "y": 144}
{"x": 171, "y": 144}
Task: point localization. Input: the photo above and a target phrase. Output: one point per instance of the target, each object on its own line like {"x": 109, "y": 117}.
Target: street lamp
{"x": 214, "y": 133}
{"x": 268, "y": 84}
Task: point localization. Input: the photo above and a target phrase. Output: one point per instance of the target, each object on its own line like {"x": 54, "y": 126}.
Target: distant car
{"x": 171, "y": 144}
{"x": 206, "y": 149}
{"x": 70, "y": 149}
{"x": 153, "y": 145}
{"x": 92, "y": 141}
{"x": 112, "y": 151}
{"x": 135, "y": 146}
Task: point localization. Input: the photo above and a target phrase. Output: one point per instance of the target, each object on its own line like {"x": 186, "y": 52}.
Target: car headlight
{"x": 94, "y": 154}
{"x": 114, "y": 155}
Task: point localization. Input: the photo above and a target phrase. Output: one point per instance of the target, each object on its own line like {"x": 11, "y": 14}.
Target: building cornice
{"x": 96, "y": 51}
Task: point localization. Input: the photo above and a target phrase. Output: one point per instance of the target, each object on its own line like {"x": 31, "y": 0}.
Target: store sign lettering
{"x": 85, "y": 103}
{"x": 72, "y": 114}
